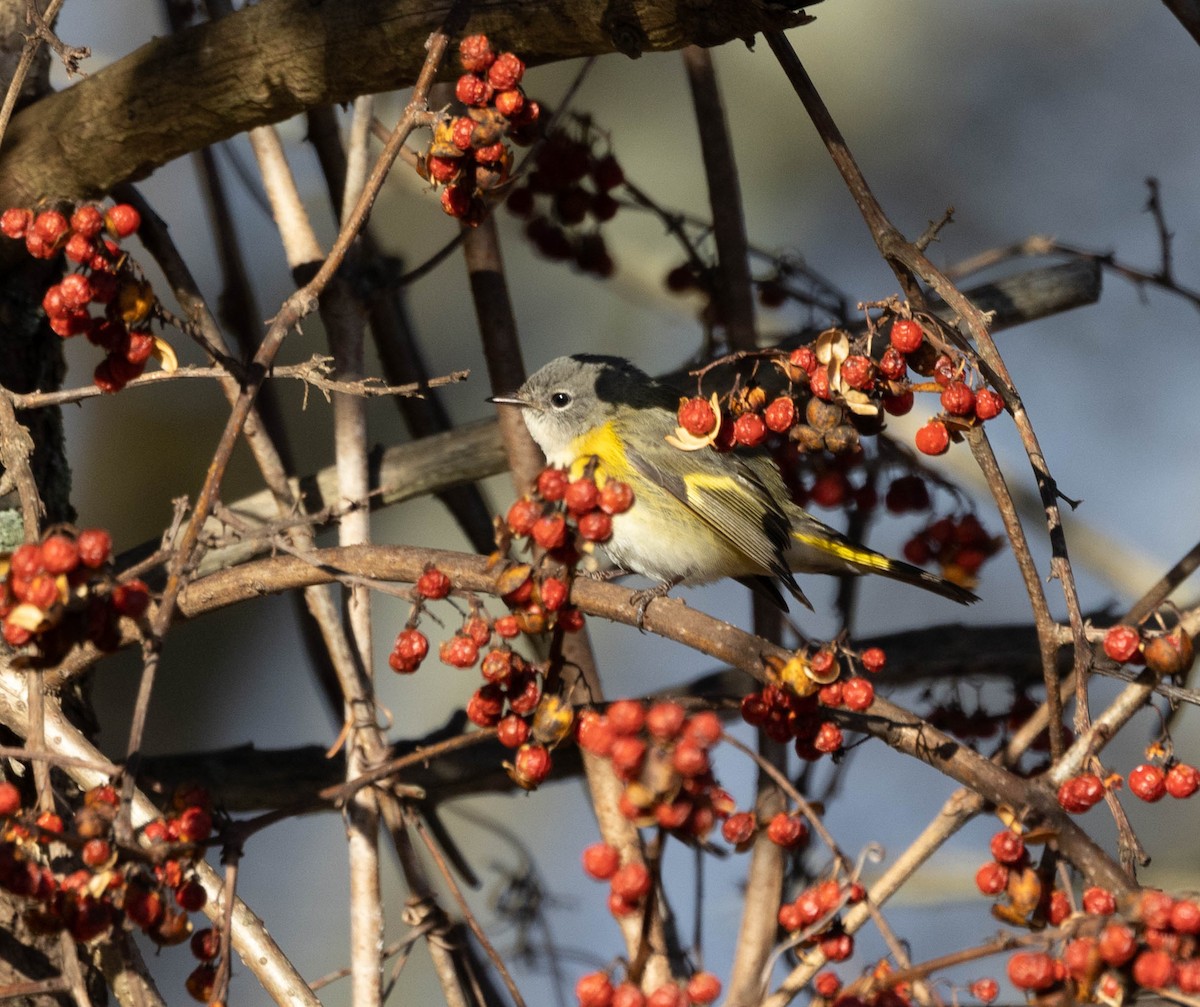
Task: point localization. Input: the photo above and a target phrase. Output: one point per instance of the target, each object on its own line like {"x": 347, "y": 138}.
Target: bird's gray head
{"x": 571, "y": 395}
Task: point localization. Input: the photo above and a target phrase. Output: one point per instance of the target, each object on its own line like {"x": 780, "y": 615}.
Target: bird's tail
{"x": 840, "y": 552}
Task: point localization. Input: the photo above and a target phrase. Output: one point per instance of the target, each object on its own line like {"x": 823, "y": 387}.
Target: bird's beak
{"x": 509, "y": 400}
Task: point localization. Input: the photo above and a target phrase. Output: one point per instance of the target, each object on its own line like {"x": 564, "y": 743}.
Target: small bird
{"x": 697, "y": 516}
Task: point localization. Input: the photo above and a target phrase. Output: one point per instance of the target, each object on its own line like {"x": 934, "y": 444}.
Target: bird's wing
{"x": 732, "y": 500}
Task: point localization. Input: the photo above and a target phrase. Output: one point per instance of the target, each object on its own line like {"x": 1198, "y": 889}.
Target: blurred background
{"x": 1027, "y": 118}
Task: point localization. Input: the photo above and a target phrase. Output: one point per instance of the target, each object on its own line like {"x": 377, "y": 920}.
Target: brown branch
{"x": 29, "y": 51}
{"x": 734, "y": 294}
{"x": 272, "y": 60}
{"x": 673, "y": 620}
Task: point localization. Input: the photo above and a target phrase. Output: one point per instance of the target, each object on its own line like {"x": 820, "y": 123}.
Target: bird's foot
{"x": 640, "y": 600}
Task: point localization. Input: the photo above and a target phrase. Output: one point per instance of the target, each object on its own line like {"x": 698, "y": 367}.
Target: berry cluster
{"x": 816, "y": 910}
{"x": 661, "y": 754}
{"x": 512, "y": 692}
{"x": 959, "y": 546}
{"x": 596, "y": 989}
{"x": 468, "y": 153}
{"x": 105, "y": 278}
{"x": 59, "y": 591}
{"x": 566, "y": 516}
{"x": 1110, "y": 960}
{"x": 1168, "y": 653}
{"x": 97, "y": 886}
{"x": 837, "y": 392}
{"x": 576, "y": 175}
{"x": 793, "y": 709}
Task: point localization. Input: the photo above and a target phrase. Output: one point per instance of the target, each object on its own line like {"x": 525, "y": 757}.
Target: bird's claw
{"x": 640, "y": 600}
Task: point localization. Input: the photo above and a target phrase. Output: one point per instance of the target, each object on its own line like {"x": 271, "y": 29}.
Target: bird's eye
{"x": 560, "y": 400}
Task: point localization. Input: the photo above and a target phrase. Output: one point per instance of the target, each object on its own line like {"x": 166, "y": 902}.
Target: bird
{"x": 697, "y": 516}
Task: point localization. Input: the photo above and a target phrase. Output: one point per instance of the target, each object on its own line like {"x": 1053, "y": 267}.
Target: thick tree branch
{"x": 275, "y": 59}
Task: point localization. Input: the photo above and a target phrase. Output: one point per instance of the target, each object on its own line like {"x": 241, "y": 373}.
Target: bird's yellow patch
{"x": 845, "y": 551}
{"x": 603, "y": 445}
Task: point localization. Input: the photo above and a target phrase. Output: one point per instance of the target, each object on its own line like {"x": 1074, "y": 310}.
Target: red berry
{"x": 830, "y": 489}
{"x": 857, "y": 694}
{"x": 1185, "y": 917}
{"x": 944, "y": 371}
{"x": 473, "y": 90}
{"x": 749, "y": 429}
{"x": 958, "y": 399}
{"x": 443, "y": 170}
{"x": 512, "y": 731}
{"x": 206, "y": 944}
{"x": 898, "y": 405}
{"x": 788, "y": 831}
{"x": 507, "y": 627}
{"x": 1060, "y": 907}
{"x": 1182, "y": 780}
{"x": 456, "y": 200}
{"x": 892, "y": 364}
{"x": 627, "y": 753}
{"x": 1099, "y": 901}
{"x": 433, "y": 584}
{"x": 704, "y": 728}
{"x": 94, "y": 544}
{"x": 607, "y": 173}
{"x": 1153, "y": 969}
{"x": 1080, "y": 958}
{"x": 689, "y": 759}
{"x": 506, "y": 71}
{"x": 827, "y": 984}
{"x": 991, "y": 878}
{"x": 522, "y": 515}
{"x": 553, "y": 594}
{"x": 595, "y": 734}
{"x": 581, "y": 496}
{"x": 703, "y": 988}
{"x": 627, "y": 716}
{"x": 600, "y": 861}
{"x": 475, "y": 53}
{"x": 191, "y": 896}
{"x": 933, "y": 438}
{"x": 1032, "y": 970}
{"x": 616, "y": 497}
{"x": 131, "y": 598}
{"x": 552, "y": 484}
{"x": 122, "y": 220}
{"x": 829, "y": 738}
{"x": 906, "y": 335}
{"x": 509, "y": 102}
{"x": 1121, "y": 643}
{"x": 739, "y": 829}
{"x": 1117, "y": 944}
{"x": 1081, "y": 792}
{"x": 628, "y": 995}
{"x": 1148, "y": 782}
{"x": 27, "y": 560}
{"x": 87, "y": 221}
{"x": 459, "y": 651}
{"x": 52, "y": 227}
{"x": 485, "y": 706}
{"x": 594, "y": 990}
{"x": 697, "y": 417}
{"x": 15, "y": 221}
{"x": 195, "y": 825}
{"x": 780, "y": 415}
{"x": 873, "y": 659}
{"x": 665, "y": 720}
{"x": 596, "y": 526}
{"x": 10, "y": 798}
{"x": 631, "y": 882}
{"x": 1007, "y": 847}
{"x": 856, "y": 371}
{"x": 1154, "y": 909}
{"x": 988, "y": 404}
{"x": 59, "y": 554}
